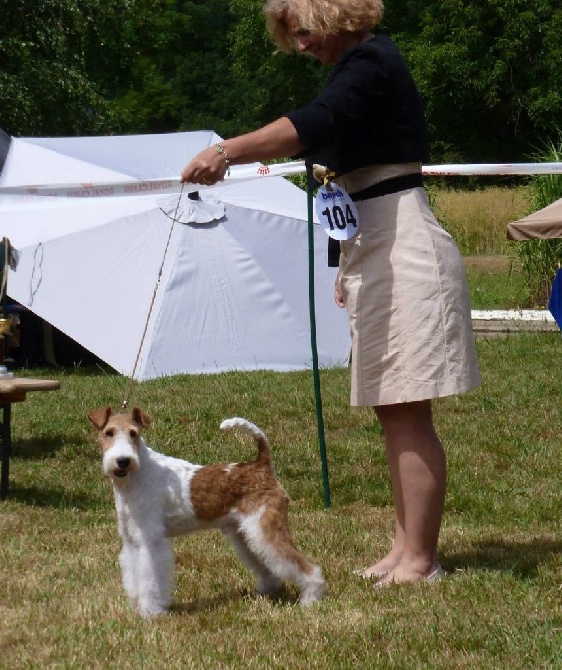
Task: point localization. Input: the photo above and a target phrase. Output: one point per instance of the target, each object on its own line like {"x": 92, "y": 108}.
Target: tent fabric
{"x": 5, "y": 141}
{"x": 227, "y": 281}
{"x": 546, "y": 224}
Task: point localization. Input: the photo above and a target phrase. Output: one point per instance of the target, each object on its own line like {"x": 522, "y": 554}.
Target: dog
{"x": 158, "y": 497}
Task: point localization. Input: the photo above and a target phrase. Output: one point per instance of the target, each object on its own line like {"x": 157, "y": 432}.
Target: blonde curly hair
{"x": 321, "y": 17}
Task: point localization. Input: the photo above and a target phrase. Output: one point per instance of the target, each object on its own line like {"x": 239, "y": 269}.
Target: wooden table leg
{"x": 6, "y": 444}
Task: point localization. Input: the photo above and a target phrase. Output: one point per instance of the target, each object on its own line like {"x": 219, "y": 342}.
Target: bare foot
{"x": 402, "y": 575}
{"x": 383, "y": 567}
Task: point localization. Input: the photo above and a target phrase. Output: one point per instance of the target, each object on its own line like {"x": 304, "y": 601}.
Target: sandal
{"x": 434, "y": 576}
{"x": 360, "y": 572}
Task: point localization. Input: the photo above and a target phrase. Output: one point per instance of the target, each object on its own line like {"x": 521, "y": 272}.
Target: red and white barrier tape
{"x": 245, "y": 173}
{"x": 492, "y": 169}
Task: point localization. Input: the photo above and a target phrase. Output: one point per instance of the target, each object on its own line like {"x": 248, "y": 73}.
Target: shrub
{"x": 540, "y": 259}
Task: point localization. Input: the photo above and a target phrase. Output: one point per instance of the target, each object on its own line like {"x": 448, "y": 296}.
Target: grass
{"x": 61, "y": 600}
{"x": 62, "y": 605}
{"x": 496, "y": 282}
{"x": 477, "y": 220}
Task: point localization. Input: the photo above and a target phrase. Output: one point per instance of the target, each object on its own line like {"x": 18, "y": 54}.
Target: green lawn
{"x": 61, "y": 600}
{"x": 496, "y": 282}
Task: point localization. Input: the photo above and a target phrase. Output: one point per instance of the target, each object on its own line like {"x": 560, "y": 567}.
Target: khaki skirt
{"x": 404, "y": 286}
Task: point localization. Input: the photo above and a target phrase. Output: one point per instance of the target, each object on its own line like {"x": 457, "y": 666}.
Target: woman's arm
{"x": 275, "y": 140}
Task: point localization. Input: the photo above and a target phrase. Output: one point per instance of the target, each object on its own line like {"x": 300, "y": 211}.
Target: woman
{"x": 401, "y": 277}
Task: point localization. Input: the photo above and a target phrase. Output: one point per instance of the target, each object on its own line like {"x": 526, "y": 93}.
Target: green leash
{"x": 317, "y": 393}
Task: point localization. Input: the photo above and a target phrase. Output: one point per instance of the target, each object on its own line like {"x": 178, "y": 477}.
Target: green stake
{"x": 318, "y": 396}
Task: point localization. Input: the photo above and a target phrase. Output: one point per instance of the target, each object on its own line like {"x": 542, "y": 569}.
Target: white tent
{"x": 93, "y": 221}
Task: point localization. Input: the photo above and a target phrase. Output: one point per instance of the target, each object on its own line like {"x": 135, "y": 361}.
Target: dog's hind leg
{"x": 268, "y": 534}
{"x": 155, "y": 571}
{"x": 267, "y": 583}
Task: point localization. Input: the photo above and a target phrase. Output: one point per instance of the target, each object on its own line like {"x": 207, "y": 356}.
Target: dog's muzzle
{"x": 122, "y": 468}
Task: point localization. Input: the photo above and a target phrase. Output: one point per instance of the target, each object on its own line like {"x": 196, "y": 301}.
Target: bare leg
{"x": 391, "y": 560}
{"x": 418, "y": 474}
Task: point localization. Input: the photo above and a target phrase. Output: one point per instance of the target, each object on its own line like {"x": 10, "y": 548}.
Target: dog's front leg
{"x": 128, "y": 560}
{"x": 154, "y": 575}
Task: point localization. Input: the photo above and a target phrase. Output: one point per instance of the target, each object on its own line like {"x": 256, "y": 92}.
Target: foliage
{"x": 208, "y": 64}
{"x": 490, "y": 73}
{"x": 180, "y": 75}
{"x": 63, "y": 604}
{"x": 60, "y": 61}
{"x": 275, "y": 82}
{"x": 541, "y": 259}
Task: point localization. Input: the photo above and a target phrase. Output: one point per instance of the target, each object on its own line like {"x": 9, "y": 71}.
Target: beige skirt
{"x": 403, "y": 282}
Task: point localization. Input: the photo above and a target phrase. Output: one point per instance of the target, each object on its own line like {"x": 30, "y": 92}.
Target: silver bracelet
{"x": 221, "y": 150}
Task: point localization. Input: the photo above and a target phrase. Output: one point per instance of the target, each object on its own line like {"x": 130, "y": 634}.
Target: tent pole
{"x": 317, "y": 394}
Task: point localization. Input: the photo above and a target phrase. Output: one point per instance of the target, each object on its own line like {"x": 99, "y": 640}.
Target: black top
{"x": 369, "y": 112}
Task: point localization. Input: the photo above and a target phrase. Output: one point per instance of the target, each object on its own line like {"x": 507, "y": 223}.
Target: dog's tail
{"x": 264, "y": 450}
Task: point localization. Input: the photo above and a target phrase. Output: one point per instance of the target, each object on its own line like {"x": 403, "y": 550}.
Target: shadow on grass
{"x": 284, "y": 597}
{"x": 56, "y": 498}
{"x": 36, "y": 448}
{"x": 522, "y": 558}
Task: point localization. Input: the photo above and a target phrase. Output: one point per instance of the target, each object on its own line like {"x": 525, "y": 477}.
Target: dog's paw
{"x": 151, "y": 610}
{"x": 314, "y": 589}
{"x": 268, "y": 586}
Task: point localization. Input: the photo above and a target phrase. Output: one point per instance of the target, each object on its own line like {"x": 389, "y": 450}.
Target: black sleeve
{"x": 350, "y": 97}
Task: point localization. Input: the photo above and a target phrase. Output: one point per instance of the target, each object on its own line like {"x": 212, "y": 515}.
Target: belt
{"x": 389, "y": 186}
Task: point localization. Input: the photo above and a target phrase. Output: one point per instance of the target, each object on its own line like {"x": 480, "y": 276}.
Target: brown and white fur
{"x": 158, "y": 497}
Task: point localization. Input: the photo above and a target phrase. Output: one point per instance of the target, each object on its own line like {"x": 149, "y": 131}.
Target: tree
{"x": 60, "y": 61}
{"x": 273, "y": 83}
{"x": 490, "y": 72}
{"x": 208, "y": 64}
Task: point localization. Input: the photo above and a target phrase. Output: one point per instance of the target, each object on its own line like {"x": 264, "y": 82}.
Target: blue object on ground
{"x": 555, "y": 301}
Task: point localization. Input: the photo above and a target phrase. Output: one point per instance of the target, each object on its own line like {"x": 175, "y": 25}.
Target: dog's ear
{"x": 99, "y": 417}
{"x": 141, "y": 417}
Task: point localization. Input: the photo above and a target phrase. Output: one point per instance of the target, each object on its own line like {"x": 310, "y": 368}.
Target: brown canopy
{"x": 546, "y": 224}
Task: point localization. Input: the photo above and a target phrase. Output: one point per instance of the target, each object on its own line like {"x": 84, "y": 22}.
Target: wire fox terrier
{"x": 158, "y": 497}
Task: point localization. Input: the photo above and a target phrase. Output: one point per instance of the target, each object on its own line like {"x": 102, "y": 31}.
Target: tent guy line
{"x": 244, "y": 173}
{"x": 125, "y": 402}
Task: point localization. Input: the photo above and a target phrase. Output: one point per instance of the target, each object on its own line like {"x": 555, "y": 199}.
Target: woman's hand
{"x": 275, "y": 140}
{"x": 338, "y": 295}
{"x": 207, "y": 168}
